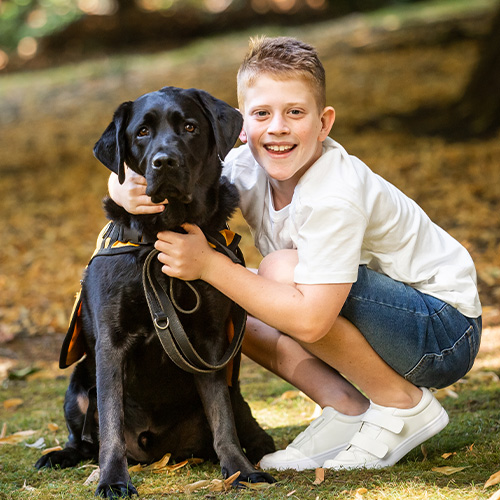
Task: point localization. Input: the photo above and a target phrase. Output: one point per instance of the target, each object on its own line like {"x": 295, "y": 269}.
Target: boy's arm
{"x": 131, "y": 195}
{"x": 305, "y": 312}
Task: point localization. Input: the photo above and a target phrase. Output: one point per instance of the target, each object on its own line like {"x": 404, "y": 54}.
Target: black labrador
{"x": 127, "y": 399}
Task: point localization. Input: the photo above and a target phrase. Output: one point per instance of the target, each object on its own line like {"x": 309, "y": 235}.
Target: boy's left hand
{"x": 184, "y": 256}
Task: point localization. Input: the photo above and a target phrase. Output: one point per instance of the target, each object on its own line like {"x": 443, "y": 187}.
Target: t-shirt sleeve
{"x": 329, "y": 242}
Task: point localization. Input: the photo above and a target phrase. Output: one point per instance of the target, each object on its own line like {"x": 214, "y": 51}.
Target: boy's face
{"x": 284, "y": 128}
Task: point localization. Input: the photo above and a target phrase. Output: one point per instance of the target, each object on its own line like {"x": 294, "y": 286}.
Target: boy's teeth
{"x": 279, "y": 148}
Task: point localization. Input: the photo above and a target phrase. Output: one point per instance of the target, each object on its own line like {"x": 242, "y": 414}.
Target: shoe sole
{"x": 306, "y": 463}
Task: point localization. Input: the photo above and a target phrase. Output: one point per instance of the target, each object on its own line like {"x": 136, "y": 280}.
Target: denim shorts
{"x": 424, "y": 339}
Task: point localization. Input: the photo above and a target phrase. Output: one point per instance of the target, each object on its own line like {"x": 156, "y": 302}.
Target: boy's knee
{"x": 279, "y": 266}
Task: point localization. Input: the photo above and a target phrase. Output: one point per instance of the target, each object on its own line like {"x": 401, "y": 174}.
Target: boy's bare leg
{"x": 283, "y": 356}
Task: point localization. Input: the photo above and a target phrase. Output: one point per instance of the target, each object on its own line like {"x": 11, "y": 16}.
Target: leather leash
{"x": 168, "y": 327}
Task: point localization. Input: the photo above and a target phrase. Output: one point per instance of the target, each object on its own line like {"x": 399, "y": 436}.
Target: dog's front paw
{"x": 68, "y": 457}
{"x": 254, "y": 477}
{"x": 117, "y": 490}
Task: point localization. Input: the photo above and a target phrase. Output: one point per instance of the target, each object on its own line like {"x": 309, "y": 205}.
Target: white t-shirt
{"x": 342, "y": 215}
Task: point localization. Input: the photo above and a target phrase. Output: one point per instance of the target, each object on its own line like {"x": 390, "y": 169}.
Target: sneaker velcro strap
{"x": 380, "y": 419}
{"x": 366, "y": 443}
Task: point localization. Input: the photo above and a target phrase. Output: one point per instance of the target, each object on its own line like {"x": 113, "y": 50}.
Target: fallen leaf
{"x": 52, "y": 427}
{"x": 493, "y": 479}
{"x": 423, "y": 449}
{"x": 4, "y": 430}
{"x": 162, "y": 462}
{"x": 320, "y": 475}
{"x": 291, "y": 493}
{"x": 449, "y": 470}
{"x": 17, "y": 437}
{"x": 12, "y": 403}
{"x": 231, "y": 479}
{"x": 361, "y": 491}
{"x": 256, "y": 486}
{"x": 447, "y": 392}
{"x": 93, "y": 478}
{"x": 495, "y": 496}
{"x": 26, "y": 487}
{"x": 38, "y": 444}
{"x": 48, "y": 450}
{"x": 198, "y": 485}
{"x": 448, "y": 455}
{"x": 484, "y": 376}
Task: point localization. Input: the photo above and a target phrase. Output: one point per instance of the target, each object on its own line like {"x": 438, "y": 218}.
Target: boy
{"x": 357, "y": 285}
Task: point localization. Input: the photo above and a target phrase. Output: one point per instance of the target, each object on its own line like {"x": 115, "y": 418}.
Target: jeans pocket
{"x": 443, "y": 369}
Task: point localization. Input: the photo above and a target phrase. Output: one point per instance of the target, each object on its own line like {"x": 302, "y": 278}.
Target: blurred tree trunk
{"x": 477, "y": 111}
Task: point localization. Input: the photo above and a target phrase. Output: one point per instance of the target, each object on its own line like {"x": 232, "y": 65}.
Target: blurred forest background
{"x": 415, "y": 85}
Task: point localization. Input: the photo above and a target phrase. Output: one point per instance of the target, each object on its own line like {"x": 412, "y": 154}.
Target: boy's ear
{"x": 327, "y": 120}
{"x": 243, "y": 136}
{"x": 110, "y": 148}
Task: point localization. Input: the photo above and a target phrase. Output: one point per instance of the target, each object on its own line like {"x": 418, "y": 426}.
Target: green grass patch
{"x": 471, "y": 438}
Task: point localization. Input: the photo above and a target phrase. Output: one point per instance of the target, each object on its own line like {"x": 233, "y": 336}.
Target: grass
{"x": 470, "y": 438}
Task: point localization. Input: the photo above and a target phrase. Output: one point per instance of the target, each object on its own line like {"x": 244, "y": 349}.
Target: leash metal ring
{"x": 162, "y": 326}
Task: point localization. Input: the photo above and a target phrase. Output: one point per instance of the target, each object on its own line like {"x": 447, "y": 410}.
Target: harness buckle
{"x": 161, "y": 321}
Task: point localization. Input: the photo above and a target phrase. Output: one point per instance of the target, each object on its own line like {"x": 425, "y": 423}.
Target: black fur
{"x": 145, "y": 405}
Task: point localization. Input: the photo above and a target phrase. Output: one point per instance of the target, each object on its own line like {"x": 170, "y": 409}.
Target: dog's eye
{"x": 143, "y": 132}
{"x": 189, "y": 127}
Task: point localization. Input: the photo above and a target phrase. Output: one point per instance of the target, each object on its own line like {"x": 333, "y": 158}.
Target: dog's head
{"x": 175, "y": 138}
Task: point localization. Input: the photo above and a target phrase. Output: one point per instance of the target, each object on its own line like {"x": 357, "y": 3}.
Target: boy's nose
{"x": 278, "y": 126}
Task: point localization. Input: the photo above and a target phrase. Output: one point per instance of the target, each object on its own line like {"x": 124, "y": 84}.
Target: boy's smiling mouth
{"x": 279, "y": 148}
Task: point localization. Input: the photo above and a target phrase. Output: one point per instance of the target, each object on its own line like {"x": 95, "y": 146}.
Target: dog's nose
{"x": 161, "y": 160}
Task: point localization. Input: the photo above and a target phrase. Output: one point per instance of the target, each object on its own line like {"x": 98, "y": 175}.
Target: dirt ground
{"x": 51, "y": 186}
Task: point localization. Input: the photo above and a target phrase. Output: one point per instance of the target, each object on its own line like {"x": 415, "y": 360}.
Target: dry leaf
{"x": 135, "y": 468}
{"x": 162, "y": 462}
{"x": 48, "y": 450}
{"x": 256, "y": 486}
{"x": 198, "y": 485}
{"x": 449, "y": 470}
{"x": 441, "y": 394}
{"x": 291, "y": 493}
{"x": 26, "y": 487}
{"x": 12, "y": 403}
{"x": 93, "y": 478}
{"x": 320, "y": 475}
{"x": 4, "y": 430}
{"x": 423, "y": 449}
{"x": 495, "y": 496}
{"x": 52, "y": 427}
{"x": 493, "y": 479}
{"x": 39, "y": 444}
{"x": 17, "y": 437}
{"x": 448, "y": 455}
{"x": 231, "y": 479}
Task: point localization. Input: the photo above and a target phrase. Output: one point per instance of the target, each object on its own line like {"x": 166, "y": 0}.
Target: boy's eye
{"x": 295, "y": 112}
{"x": 261, "y": 114}
{"x": 143, "y": 132}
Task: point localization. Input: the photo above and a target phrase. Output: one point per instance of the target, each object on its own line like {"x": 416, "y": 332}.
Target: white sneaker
{"x": 388, "y": 434}
{"x": 322, "y": 440}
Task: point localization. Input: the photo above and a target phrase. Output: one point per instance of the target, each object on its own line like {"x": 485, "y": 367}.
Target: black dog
{"x": 127, "y": 398}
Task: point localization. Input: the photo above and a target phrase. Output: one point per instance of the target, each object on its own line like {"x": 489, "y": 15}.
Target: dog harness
{"x": 113, "y": 240}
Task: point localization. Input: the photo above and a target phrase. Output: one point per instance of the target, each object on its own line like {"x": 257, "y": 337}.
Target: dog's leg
{"x": 114, "y": 477}
{"x": 76, "y": 411}
{"x": 255, "y": 441}
{"x": 214, "y": 394}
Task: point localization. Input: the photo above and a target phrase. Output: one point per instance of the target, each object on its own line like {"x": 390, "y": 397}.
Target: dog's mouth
{"x": 170, "y": 195}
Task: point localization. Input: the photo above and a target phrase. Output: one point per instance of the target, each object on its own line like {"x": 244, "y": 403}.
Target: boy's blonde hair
{"x": 282, "y": 58}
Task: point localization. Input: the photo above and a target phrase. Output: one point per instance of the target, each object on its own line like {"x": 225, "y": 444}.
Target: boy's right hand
{"x": 131, "y": 195}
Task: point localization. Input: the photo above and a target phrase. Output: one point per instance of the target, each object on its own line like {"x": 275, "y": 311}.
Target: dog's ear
{"x": 110, "y": 148}
{"x": 226, "y": 121}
